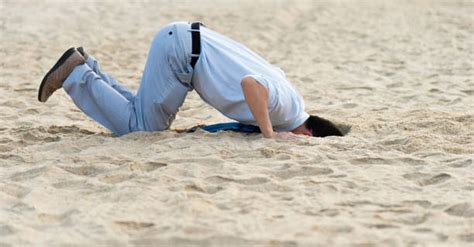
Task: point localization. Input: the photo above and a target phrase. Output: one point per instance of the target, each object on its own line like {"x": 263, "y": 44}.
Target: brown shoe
{"x": 54, "y": 79}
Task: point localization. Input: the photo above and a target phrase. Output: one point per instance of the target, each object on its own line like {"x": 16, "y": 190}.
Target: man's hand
{"x": 256, "y": 96}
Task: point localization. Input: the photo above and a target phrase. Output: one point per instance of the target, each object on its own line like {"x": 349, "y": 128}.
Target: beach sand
{"x": 399, "y": 72}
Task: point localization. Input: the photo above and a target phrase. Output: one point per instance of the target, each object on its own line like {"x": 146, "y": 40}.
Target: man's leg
{"x": 162, "y": 90}
{"x": 100, "y": 101}
{"x": 94, "y": 65}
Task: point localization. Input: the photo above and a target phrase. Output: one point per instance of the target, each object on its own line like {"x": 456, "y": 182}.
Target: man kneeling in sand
{"x": 226, "y": 74}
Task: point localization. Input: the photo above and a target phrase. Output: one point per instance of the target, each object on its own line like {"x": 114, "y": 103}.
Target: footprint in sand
{"x": 147, "y": 166}
{"x": 54, "y": 129}
{"x": 5, "y": 148}
{"x": 421, "y": 203}
{"x": 370, "y": 161}
{"x": 6, "y": 230}
{"x": 381, "y": 226}
{"x": 35, "y": 135}
{"x": 464, "y": 210}
{"x": 46, "y": 218}
{"x": 203, "y": 188}
{"x": 11, "y": 158}
{"x": 303, "y": 171}
{"x": 133, "y": 225}
{"x": 245, "y": 181}
{"x": 460, "y": 163}
{"x": 332, "y": 229}
{"x": 116, "y": 178}
{"x": 424, "y": 179}
{"x": 30, "y": 174}
{"x": 413, "y": 219}
{"x": 14, "y": 190}
{"x": 83, "y": 170}
{"x": 72, "y": 184}
{"x": 20, "y": 207}
{"x": 467, "y": 237}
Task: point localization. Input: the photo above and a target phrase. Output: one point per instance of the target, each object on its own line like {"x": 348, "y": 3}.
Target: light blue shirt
{"x": 218, "y": 74}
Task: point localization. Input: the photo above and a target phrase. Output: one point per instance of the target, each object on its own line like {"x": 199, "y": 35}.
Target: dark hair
{"x": 321, "y": 127}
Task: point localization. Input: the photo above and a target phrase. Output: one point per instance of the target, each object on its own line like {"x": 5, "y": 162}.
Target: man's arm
{"x": 256, "y": 96}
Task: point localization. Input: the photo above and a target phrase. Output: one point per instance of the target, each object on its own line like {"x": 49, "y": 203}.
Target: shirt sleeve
{"x": 272, "y": 96}
{"x": 260, "y": 79}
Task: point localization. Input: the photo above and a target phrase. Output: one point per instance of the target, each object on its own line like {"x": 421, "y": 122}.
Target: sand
{"x": 399, "y": 72}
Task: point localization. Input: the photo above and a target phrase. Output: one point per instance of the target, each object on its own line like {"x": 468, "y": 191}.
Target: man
{"x": 227, "y": 75}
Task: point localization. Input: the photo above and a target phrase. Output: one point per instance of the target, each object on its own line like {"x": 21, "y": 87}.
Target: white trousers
{"x": 164, "y": 85}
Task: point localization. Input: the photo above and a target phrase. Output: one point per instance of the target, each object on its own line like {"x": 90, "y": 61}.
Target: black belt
{"x": 196, "y": 40}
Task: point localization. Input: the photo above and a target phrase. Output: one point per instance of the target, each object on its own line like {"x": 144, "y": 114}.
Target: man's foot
{"x": 83, "y": 53}
{"x": 54, "y": 79}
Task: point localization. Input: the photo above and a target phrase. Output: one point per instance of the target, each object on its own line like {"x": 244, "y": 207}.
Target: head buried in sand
{"x": 320, "y": 127}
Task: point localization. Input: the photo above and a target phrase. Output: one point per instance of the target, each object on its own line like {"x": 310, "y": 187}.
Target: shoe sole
{"x": 58, "y": 64}
{"x": 81, "y": 50}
